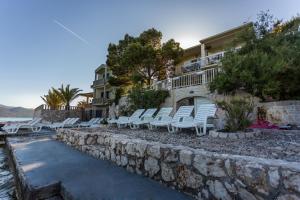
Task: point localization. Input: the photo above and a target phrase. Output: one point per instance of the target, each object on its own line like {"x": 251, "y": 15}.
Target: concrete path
{"x": 46, "y": 161}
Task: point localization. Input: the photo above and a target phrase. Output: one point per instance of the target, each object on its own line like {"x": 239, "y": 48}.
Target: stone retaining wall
{"x": 203, "y": 174}
{"x": 283, "y": 112}
{"x": 57, "y": 115}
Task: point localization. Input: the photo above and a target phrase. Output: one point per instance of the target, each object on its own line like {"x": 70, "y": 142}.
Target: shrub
{"x": 237, "y": 112}
{"x": 143, "y": 98}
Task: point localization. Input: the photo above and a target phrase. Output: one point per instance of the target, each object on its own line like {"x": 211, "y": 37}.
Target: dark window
{"x": 107, "y": 75}
{"x": 98, "y": 113}
{"x": 107, "y": 94}
{"x": 102, "y": 94}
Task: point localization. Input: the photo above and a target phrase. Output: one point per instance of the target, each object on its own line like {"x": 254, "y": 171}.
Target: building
{"x": 199, "y": 66}
{"x": 103, "y": 92}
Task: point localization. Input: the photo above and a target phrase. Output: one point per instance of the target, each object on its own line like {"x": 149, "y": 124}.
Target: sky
{"x": 46, "y": 43}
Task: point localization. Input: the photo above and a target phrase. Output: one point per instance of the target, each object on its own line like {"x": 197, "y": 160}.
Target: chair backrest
{"x": 137, "y": 114}
{"x": 73, "y": 121}
{"x": 183, "y": 111}
{"x": 204, "y": 111}
{"x": 66, "y": 121}
{"x": 93, "y": 120}
{"x": 149, "y": 112}
{"x": 163, "y": 112}
{"x": 34, "y": 121}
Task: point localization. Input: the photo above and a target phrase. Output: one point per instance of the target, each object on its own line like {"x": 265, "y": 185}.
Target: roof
{"x": 87, "y": 94}
{"x": 226, "y": 33}
{"x": 102, "y": 66}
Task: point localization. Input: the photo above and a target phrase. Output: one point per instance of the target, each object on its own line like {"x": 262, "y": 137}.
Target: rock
{"x": 253, "y": 174}
{"x": 170, "y": 155}
{"x": 186, "y": 157}
{"x": 131, "y": 162}
{"x": 288, "y": 197}
{"x": 130, "y": 149}
{"x": 151, "y": 166}
{"x": 232, "y": 136}
{"x": 274, "y": 177}
{"x": 223, "y": 135}
{"x": 209, "y": 167}
{"x": 140, "y": 149}
{"x": 167, "y": 173}
{"x": 187, "y": 178}
{"x": 218, "y": 190}
{"x": 231, "y": 188}
{"x": 130, "y": 169}
{"x": 154, "y": 151}
{"x": 213, "y": 134}
{"x": 228, "y": 167}
{"x": 124, "y": 160}
{"x": 291, "y": 181}
{"x": 245, "y": 195}
{"x": 100, "y": 140}
{"x": 90, "y": 140}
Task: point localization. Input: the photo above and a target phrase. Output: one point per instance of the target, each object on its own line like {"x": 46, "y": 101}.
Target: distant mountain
{"x": 9, "y": 111}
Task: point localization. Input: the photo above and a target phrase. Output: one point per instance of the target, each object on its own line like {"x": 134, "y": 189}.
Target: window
{"x": 107, "y": 75}
{"x": 102, "y": 94}
{"x": 107, "y": 94}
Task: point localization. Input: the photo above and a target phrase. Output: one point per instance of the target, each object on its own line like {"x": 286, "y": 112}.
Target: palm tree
{"x": 52, "y": 99}
{"x": 67, "y": 94}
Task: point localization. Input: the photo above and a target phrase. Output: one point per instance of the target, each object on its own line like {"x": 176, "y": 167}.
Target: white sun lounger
{"x": 204, "y": 111}
{"x": 90, "y": 123}
{"x": 33, "y": 125}
{"x": 67, "y": 123}
{"x": 112, "y": 121}
{"x": 124, "y": 121}
{"x": 146, "y": 118}
{"x": 161, "y": 117}
{"x": 182, "y": 112}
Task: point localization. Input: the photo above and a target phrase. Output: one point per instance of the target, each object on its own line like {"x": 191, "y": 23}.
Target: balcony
{"x": 191, "y": 79}
{"x": 198, "y": 63}
{"x": 100, "y": 101}
{"x": 100, "y": 82}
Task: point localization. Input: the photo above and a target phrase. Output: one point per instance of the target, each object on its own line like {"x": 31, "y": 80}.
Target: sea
{"x": 14, "y": 119}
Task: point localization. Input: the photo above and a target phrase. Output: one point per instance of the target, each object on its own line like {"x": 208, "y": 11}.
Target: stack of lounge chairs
{"x": 67, "y": 123}
{"x": 182, "y": 119}
{"x": 33, "y": 124}
{"x": 91, "y": 123}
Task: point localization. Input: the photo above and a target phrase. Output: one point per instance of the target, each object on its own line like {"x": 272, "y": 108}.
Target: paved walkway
{"x": 46, "y": 161}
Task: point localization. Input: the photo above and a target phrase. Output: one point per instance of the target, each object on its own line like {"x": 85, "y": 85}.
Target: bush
{"x": 237, "y": 111}
{"x": 142, "y": 98}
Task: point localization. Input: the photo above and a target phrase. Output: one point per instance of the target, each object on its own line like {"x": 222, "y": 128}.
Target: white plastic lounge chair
{"x": 33, "y": 125}
{"x": 204, "y": 111}
{"x": 124, "y": 121}
{"x": 67, "y": 123}
{"x": 112, "y": 121}
{"x": 146, "y": 118}
{"x": 89, "y": 123}
{"x": 161, "y": 117}
{"x": 182, "y": 112}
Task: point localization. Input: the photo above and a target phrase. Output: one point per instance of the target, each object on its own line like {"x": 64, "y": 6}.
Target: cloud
{"x": 71, "y": 32}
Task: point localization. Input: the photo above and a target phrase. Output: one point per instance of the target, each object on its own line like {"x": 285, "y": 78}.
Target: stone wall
{"x": 283, "y": 112}
{"x": 203, "y": 174}
{"x": 56, "y": 115}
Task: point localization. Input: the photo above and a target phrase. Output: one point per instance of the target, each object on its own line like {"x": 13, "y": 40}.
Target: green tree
{"x": 268, "y": 64}
{"x": 138, "y": 60}
{"x": 52, "y": 99}
{"x": 143, "y": 98}
{"x": 67, "y": 94}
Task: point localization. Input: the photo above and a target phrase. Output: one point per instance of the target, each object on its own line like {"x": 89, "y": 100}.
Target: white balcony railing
{"x": 191, "y": 79}
{"x": 198, "y": 63}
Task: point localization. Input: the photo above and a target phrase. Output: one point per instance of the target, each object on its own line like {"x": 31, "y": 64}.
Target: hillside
{"x": 8, "y": 111}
